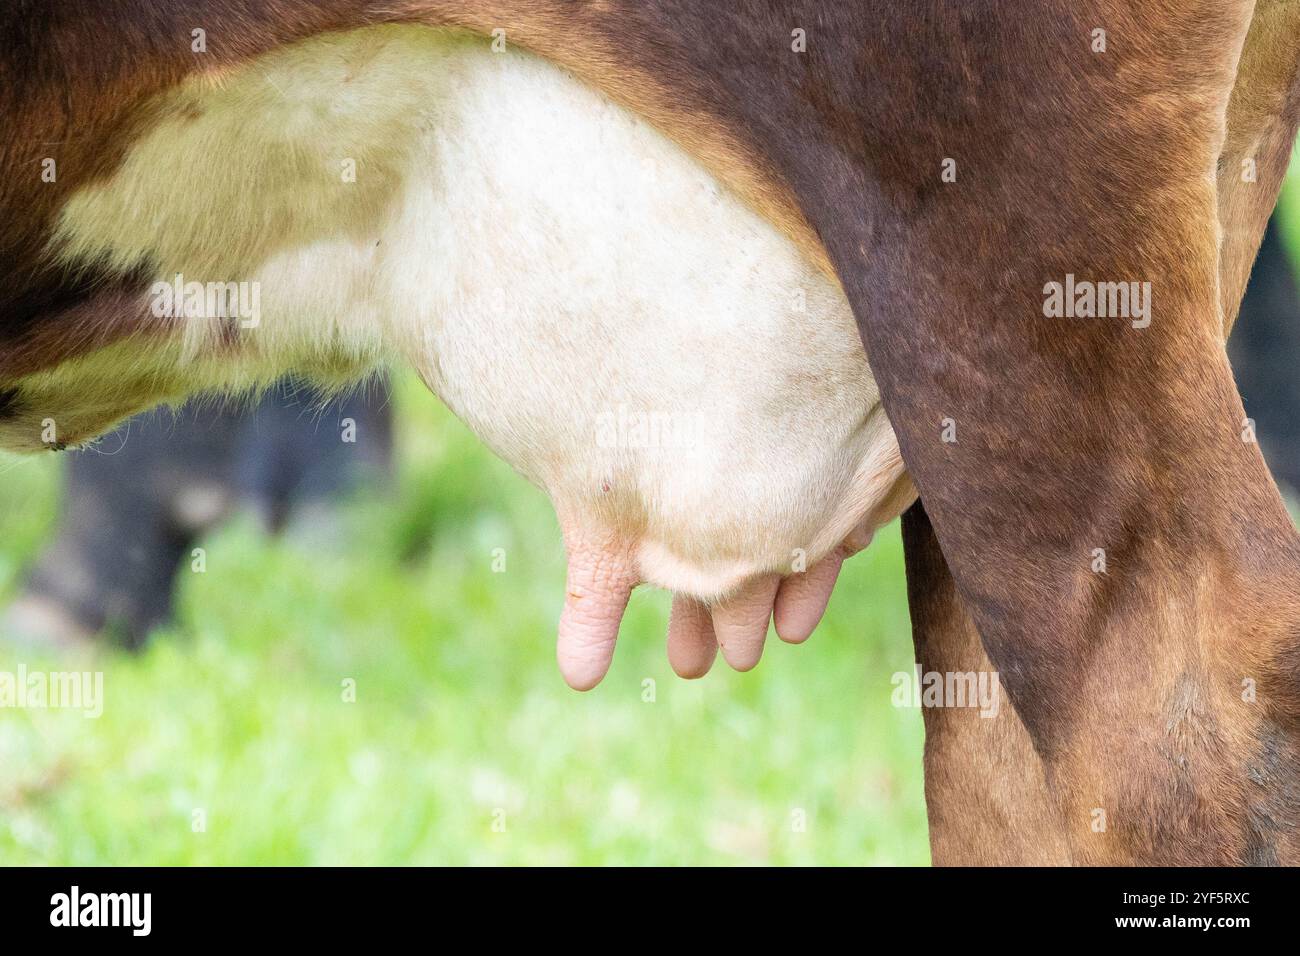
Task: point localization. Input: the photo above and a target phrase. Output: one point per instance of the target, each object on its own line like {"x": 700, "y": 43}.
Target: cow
{"x": 1096, "y": 523}
{"x": 639, "y": 456}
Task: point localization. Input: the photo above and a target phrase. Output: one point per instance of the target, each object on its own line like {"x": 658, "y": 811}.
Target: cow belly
{"x": 594, "y": 305}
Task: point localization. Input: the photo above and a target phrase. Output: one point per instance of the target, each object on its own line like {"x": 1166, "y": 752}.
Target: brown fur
{"x": 1262, "y": 118}
{"x": 1188, "y": 731}
{"x": 985, "y": 788}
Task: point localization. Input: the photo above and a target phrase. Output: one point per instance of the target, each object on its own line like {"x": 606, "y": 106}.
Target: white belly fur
{"x": 604, "y": 314}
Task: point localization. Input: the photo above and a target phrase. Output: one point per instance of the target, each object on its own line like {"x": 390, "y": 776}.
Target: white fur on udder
{"x": 597, "y": 307}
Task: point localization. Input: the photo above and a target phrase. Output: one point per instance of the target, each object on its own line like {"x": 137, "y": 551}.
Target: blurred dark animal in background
{"x": 136, "y": 504}
{"x": 1265, "y": 353}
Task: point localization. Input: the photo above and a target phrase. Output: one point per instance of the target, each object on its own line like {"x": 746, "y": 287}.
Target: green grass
{"x": 460, "y": 714}
{"x": 1288, "y": 220}
{"x": 1288, "y": 205}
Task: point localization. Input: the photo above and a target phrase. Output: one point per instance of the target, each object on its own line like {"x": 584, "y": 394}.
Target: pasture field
{"x": 233, "y": 738}
{"x": 462, "y": 746}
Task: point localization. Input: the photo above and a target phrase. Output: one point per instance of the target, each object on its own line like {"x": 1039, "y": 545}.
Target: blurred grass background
{"x": 461, "y": 722}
